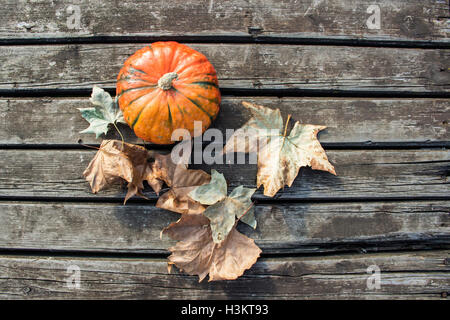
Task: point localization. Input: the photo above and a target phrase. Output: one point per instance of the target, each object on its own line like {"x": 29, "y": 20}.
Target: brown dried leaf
{"x": 182, "y": 181}
{"x": 280, "y": 156}
{"x": 197, "y": 254}
{"x": 115, "y": 161}
{"x": 164, "y": 168}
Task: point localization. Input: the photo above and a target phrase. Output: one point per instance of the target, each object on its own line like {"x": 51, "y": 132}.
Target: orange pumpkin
{"x": 167, "y": 86}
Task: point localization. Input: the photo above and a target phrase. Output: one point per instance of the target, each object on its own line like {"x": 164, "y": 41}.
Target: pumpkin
{"x": 167, "y": 86}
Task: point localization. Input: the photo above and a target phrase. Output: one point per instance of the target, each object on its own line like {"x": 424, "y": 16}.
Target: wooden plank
{"x": 282, "y": 228}
{"x": 361, "y": 174}
{"x": 399, "y": 20}
{"x": 419, "y": 275}
{"x": 239, "y": 66}
{"x": 349, "y": 120}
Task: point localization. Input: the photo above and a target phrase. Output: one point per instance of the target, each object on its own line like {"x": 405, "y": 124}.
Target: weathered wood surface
{"x": 361, "y": 174}
{"x": 419, "y": 275}
{"x": 47, "y": 206}
{"x": 349, "y": 120}
{"x": 239, "y": 66}
{"x": 282, "y": 228}
{"x": 400, "y": 20}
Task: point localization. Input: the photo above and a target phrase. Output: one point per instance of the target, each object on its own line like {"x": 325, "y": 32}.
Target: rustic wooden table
{"x": 376, "y": 72}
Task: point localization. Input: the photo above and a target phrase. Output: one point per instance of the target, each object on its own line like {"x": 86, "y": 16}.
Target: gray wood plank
{"x": 419, "y": 275}
{"x": 400, "y": 20}
{"x": 282, "y": 228}
{"x": 349, "y": 120}
{"x": 239, "y": 66}
{"x": 361, "y": 174}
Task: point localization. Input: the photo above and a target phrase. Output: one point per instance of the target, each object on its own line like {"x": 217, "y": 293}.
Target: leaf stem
{"x": 246, "y": 211}
{"x": 120, "y": 133}
{"x": 88, "y": 146}
{"x": 103, "y": 150}
{"x": 285, "y": 130}
{"x": 286, "y": 125}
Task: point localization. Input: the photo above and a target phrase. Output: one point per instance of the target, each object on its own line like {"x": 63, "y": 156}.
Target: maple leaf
{"x": 223, "y": 211}
{"x": 197, "y": 254}
{"x": 182, "y": 181}
{"x": 280, "y": 156}
{"x": 104, "y": 112}
{"x": 116, "y": 160}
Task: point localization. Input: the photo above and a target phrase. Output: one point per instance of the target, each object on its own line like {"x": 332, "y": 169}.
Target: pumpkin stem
{"x": 165, "y": 82}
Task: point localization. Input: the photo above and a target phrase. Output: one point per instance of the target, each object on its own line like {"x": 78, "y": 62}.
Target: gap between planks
{"x": 405, "y": 173}
{"x": 283, "y": 228}
{"x": 261, "y": 67}
{"x": 351, "y": 122}
{"x": 220, "y": 39}
{"x": 418, "y": 275}
{"x": 421, "y": 21}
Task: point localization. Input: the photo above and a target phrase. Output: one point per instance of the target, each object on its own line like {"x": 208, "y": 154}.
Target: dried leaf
{"x": 182, "y": 181}
{"x": 197, "y": 254}
{"x": 104, "y": 113}
{"x": 224, "y": 210}
{"x": 164, "y": 168}
{"x": 280, "y": 156}
{"x": 244, "y": 210}
{"x": 115, "y": 161}
{"x": 214, "y": 191}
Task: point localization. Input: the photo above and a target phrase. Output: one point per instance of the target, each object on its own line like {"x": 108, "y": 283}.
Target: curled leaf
{"x": 197, "y": 254}
{"x": 177, "y": 199}
{"x": 280, "y": 156}
{"x": 116, "y": 160}
{"x": 164, "y": 168}
{"x": 182, "y": 181}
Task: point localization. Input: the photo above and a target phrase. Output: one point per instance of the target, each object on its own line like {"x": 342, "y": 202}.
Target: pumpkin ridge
{"x": 136, "y": 88}
{"x": 212, "y": 100}
{"x": 170, "y": 114}
{"x": 176, "y": 58}
{"x": 134, "y": 70}
{"x": 195, "y": 104}
{"x": 142, "y": 110}
{"x": 137, "y": 118}
{"x": 204, "y": 83}
{"x": 179, "y": 109}
{"x": 130, "y": 79}
{"x": 197, "y": 59}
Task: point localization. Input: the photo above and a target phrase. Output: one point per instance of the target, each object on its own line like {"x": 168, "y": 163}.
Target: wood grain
{"x": 419, "y": 275}
{"x": 400, "y": 20}
{"x": 361, "y": 174}
{"x": 47, "y": 209}
{"x": 282, "y": 228}
{"x": 349, "y": 120}
{"x": 239, "y": 66}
